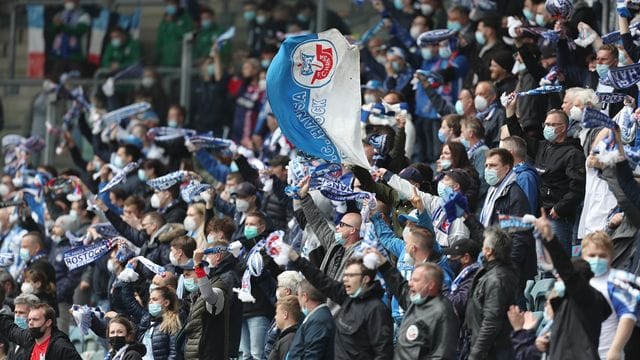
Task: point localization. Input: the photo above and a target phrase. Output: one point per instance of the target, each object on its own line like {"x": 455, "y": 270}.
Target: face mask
{"x": 518, "y": 68}
{"x": 172, "y": 123}
{"x": 456, "y": 266}
{"x": 190, "y": 285}
{"x": 233, "y": 167}
{"x": 415, "y": 31}
{"x": 368, "y": 99}
{"x": 491, "y": 177}
{"x": 242, "y": 205}
{"x": 142, "y": 175}
{"x": 17, "y": 182}
{"x": 211, "y": 69}
{"x": 210, "y": 239}
{"x": 56, "y": 239}
{"x": 441, "y": 136}
{"x": 407, "y": 259}
{"x": 480, "y": 103}
{"x": 454, "y": 25}
{"x": 147, "y": 82}
{"x": 264, "y": 63}
{"x": 426, "y": 9}
{"x": 250, "y": 232}
{"x": 190, "y": 224}
{"x": 24, "y": 254}
{"x": 155, "y": 201}
{"x": 528, "y": 14}
{"x": 116, "y": 42}
{"x": 118, "y": 162}
{"x": 444, "y": 52}
{"x": 622, "y": 60}
{"x": 172, "y": 259}
{"x": 36, "y": 332}
{"x": 598, "y": 265}
{"x": 117, "y": 342}
{"x": 398, "y": 4}
{"x": 395, "y": 65}
{"x": 261, "y": 19}
{"x": 111, "y": 266}
{"x": 249, "y": 15}
{"x": 4, "y": 190}
{"x": 480, "y": 39}
{"x": 302, "y": 18}
{"x": 445, "y": 164}
{"x": 575, "y": 114}
{"x": 170, "y": 9}
{"x": 445, "y": 191}
{"x": 540, "y": 20}
{"x": 381, "y": 59}
{"x": 262, "y": 84}
{"x": 549, "y": 133}
{"x": 21, "y": 322}
{"x": 417, "y": 299}
{"x": 305, "y": 311}
{"x": 338, "y": 238}
{"x": 27, "y": 288}
{"x": 602, "y": 70}
{"x": 459, "y": 107}
{"x": 155, "y": 309}
{"x": 69, "y": 5}
{"x": 405, "y": 232}
{"x": 206, "y": 23}
{"x": 465, "y": 143}
{"x": 357, "y": 293}
{"x": 559, "y": 287}
{"x": 426, "y": 53}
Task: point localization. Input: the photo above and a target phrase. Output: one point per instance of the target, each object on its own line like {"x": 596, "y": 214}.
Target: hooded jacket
{"x": 60, "y": 347}
{"x": 529, "y": 181}
{"x": 364, "y": 329}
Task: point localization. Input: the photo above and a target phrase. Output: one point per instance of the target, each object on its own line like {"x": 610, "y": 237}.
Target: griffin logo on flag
{"x": 314, "y": 63}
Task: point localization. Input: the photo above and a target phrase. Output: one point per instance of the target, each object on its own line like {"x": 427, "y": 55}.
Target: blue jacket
{"x": 314, "y": 338}
{"x": 217, "y": 169}
{"x": 529, "y": 181}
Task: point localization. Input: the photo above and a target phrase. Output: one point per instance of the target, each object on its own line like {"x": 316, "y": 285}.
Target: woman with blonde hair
{"x": 194, "y": 224}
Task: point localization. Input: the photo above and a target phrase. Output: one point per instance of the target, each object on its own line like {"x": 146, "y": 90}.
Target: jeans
{"x": 563, "y": 229}
{"x": 254, "y": 334}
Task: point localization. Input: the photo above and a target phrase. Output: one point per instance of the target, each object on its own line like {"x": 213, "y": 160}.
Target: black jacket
{"x": 578, "y": 315}
{"x": 314, "y": 338}
{"x": 60, "y": 348}
{"x": 135, "y": 351}
{"x": 281, "y": 347}
{"x": 364, "y": 329}
{"x": 493, "y": 291}
{"x": 227, "y": 271}
{"x": 175, "y": 213}
{"x": 277, "y": 205}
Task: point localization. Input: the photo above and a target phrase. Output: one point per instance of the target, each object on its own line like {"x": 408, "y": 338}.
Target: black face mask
{"x": 455, "y": 265}
{"x": 36, "y": 332}
{"x": 117, "y": 342}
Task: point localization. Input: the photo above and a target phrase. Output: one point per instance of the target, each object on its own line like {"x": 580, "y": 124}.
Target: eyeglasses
{"x": 342, "y": 224}
{"x": 350, "y": 275}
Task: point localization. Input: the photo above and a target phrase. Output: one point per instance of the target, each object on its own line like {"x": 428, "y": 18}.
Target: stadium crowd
{"x": 500, "y": 217}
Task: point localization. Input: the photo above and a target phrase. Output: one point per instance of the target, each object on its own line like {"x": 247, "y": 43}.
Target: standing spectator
{"x": 262, "y": 31}
{"x": 493, "y": 291}
{"x": 209, "y": 98}
{"x": 121, "y": 335}
{"x": 207, "y": 35}
{"x": 399, "y": 73}
{"x": 364, "y": 329}
{"x": 287, "y": 317}
{"x": 23, "y": 304}
{"x": 306, "y": 16}
{"x": 248, "y": 103}
{"x": 174, "y": 25}
{"x": 69, "y": 28}
{"x": 275, "y": 203}
{"x": 288, "y": 282}
{"x": 526, "y": 175}
{"x": 34, "y": 254}
{"x": 463, "y": 261}
{"x": 121, "y": 51}
{"x": 500, "y": 72}
{"x": 315, "y": 336}
{"x": 489, "y": 111}
{"x": 489, "y": 42}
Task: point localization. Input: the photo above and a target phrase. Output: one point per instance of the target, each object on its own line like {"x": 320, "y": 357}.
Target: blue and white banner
{"x": 99, "y": 29}
{"x": 610, "y": 98}
{"x": 85, "y": 255}
{"x": 313, "y": 86}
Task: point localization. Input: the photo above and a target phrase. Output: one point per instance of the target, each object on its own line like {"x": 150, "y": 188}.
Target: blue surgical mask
{"x": 142, "y": 175}
{"x": 559, "y": 287}
{"x": 261, "y": 19}
{"x": 454, "y": 25}
{"x": 357, "y": 293}
{"x": 250, "y": 232}
{"x": 480, "y": 38}
{"x": 233, "y": 167}
{"x": 305, "y": 311}
{"x": 528, "y": 14}
{"x": 21, "y": 322}
{"x": 417, "y": 299}
{"x": 445, "y": 164}
{"x": 118, "y": 162}
{"x": 264, "y": 63}
{"x": 398, "y": 4}
{"x": 459, "y": 107}
{"x": 549, "y": 133}
{"x": 155, "y": 309}
{"x": 24, "y": 254}
{"x": 540, "y": 20}
{"x": 622, "y": 60}
{"x": 172, "y": 123}
{"x": 190, "y": 285}
{"x": 426, "y": 53}
{"x": 465, "y": 143}
{"x": 445, "y": 191}
{"x": 302, "y": 18}
{"x": 395, "y": 65}
{"x": 211, "y": 69}
{"x": 599, "y": 266}
{"x": 249, "y": 15}
{"x": 444, "y": 52}
{"x": 206, "y": 23}
{"x": 338, "y": 238}
{"x": 116, "y": 42}
{"x": 602, "y": 70}
{"x": 441, "y": 136}
{"x": 491, "y": 177}
{"x": 170, "y": 9}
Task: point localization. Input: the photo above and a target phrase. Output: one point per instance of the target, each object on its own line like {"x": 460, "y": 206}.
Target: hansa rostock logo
{"x": 314, "y": 63}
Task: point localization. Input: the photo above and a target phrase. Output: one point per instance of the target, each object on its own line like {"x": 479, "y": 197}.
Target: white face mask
{"x": 4, "y": 190}
{"x": 172, "y": 259}
{"x": 27, "y": 288}
{"x": 368, "y": 99}
{"x": 415, "y": 31}
{"x": 111, "y": 266}
{"x": 155, "y": 201}
{"x": 17, "y": 182}
{"x": 73, "y": 213}
{"x": 262, "y": 84}
{"x": 480, "y": 103}
{"x": 408, "y": 259}
{"x": 69, "y": 5}
{"x": 575, "y": 114}
{"x": 242, "y": 205}
{"x": 190, "y": 224}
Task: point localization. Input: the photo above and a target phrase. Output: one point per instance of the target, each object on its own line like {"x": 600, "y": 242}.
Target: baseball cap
{"x": 411, "y": 216}
{"x": 461, "y": 247}
{"x": 412, "y": 174}
{"x": 373, "y": 85}
{"x": 245, "y": 189}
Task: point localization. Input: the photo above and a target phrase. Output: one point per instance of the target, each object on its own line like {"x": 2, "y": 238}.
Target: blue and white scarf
{"x": 545, "y": 89}
{"x": 610, "y": 98}
{"x": 464, "y": 274}
{"x": 592, "y": 118}
{"x": 119, "y": 175}
{"x": 512, "y": 223}
{"x": 85, "y": 255}
{"x": 163, "y": 183}
{"x": 624, "y": 76}
{"x": 192, "y": 191}
{"x": 494, "y": 193}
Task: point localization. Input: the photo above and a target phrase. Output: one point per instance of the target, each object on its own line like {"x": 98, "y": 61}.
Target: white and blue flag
{"x": 313, "y": 86}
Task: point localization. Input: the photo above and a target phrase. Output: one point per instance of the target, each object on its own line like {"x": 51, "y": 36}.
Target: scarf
{"x": 494, "y": 193}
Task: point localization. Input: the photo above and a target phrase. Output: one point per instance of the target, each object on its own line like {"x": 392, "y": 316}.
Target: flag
{"x": 36, "y": 55}
{"x": 313, "y": 86}
{"x": 98, "y": 33}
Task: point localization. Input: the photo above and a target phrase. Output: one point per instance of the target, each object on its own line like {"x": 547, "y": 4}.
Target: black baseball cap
{"x": 462, "y": 247}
